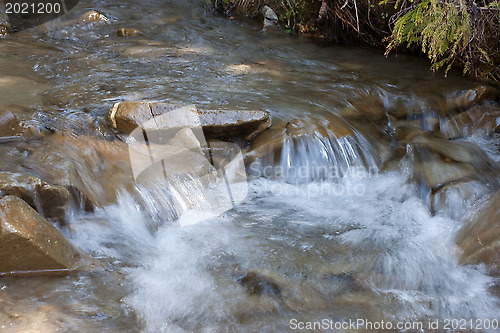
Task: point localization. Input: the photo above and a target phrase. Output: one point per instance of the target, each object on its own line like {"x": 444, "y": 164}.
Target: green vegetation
{"x": 459, "y": 33}
{"x": 452, "y": 32}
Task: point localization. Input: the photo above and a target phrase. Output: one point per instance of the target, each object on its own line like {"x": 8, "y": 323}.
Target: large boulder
{"x": 29, "y": 243}
{"x": 479, "y": 238}
{"x": 49, "y": 200}
{"x": 228, "y": 124}
{"x": 481, "y": 119}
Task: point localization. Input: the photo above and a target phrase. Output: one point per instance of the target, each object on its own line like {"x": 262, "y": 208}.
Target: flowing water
{"x": 361, "y": 246}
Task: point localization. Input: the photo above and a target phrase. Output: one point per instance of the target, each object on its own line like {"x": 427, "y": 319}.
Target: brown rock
{"x": 128, "y": 32}
{"x": 11, "y": 129}
{"x": 483, "y": 119}
{"x": 29, "y": 243}
{"x": 456, "y": 150}
{"x": 126, "y": 116}
{"x": 3, "y": 30}
{"x": 479, "y": 238}
{"x": 93, "y": 16}
{"x": 259, "y": 284}
{"x": 51, "y": 201}
{"x": 234, "y": 123}
{"x": 370, "y": 106}
{"x": 267, "y": 145}
{"x": 436, "y": 172}
{"x": 406, "y": 132}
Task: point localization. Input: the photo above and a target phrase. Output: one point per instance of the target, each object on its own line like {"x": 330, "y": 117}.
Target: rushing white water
{"x": 374, "y": 245}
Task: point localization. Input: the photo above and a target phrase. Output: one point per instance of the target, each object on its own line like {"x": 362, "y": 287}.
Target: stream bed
{"x": 375, "y": 244}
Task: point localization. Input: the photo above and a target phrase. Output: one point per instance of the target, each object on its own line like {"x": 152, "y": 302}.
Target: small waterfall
{"x": 317, "y": 149}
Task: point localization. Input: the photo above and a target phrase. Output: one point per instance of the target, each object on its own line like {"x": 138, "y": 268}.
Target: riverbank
{"x": 452, "y": 33}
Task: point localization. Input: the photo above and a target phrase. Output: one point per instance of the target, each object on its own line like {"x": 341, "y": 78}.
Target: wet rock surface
{"x": 51, "y": 201}
{"x": 11, "y": 129}
{"x": 436, "y": 172}
{"x": 127, "y": 116}
{"x": 128, "y": 32}
{"x": 259, "y": 284}
{"x": 481, "y": 119}
{"x": 3, "y": 30}
{"x": 97, "y": 169}
{"x": 29, "y": 243}
{"x": 370, "y": 106}
{"x": 92, "y": 16}
{"x": 401, "y": 262}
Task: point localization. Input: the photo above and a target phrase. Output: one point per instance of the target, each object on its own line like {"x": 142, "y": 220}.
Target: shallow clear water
{"x": 364, "y": 246}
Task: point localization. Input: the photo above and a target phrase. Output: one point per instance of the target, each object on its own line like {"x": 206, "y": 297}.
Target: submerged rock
{"x": 92, "y": 16}
{"x": 29, "y": 243}
{"x": 371, "y": 106}
{"x": 406, "y": 132}
{"x": 12, "y": 129}
{"x": 50, "y": 201}
{"x": 128, "y": 32}
{"x": 481, "y": 119}
{"x": 259, "y": 284}
{"x": 454, "y": 199}
{"x": 479, "y": 238}
{"x": 456, "y": 150}
{"x": 269, "y": 144}
{"x": 435, "y": 172}
{"x": 3, "y": 30}
{"x": 468, "y": 98}
{"x": 97, "y": 169}
{"x": 127, "y": 116}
